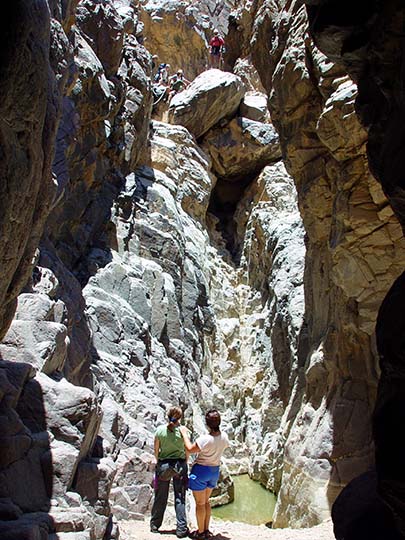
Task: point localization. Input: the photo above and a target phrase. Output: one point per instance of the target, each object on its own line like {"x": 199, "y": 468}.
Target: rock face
{"x": 374, "y": 64}
{"x": 170, "y": 272}
{"x": 242, "y": 148}
{"x": 354, "y": 252}
{"x": 87, "y": 55}
{"x": 179, "y": 32}
{"x": 212, "y": 96}
{"x": 27, "y": 141}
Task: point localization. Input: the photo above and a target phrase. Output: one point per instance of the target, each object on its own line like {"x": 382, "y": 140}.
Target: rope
{"x": 160, "y": 98}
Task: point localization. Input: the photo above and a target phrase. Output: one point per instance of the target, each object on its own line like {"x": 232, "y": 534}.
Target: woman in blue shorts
{"x": 205, "y": 471}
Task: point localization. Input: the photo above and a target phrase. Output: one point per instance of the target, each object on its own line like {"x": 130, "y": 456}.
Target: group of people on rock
{"x": 170, "y": 84}
{"x": 167, "y": 85}
{"x": 172, "y": 448}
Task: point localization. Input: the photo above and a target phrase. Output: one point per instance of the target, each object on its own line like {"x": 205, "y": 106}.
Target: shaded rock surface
{"x": 344, "y": 211}
{"x": 51, "y": 441}
{"x": 242, "y": 147}
{"x": 373, "y": 61}
{"x": 27, "y": 133}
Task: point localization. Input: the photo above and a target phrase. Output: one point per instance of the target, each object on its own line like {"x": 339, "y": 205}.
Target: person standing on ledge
{"x": 205, "y": 470}
{"x": 216, "y": 48}
{"x": 171, "y": 464}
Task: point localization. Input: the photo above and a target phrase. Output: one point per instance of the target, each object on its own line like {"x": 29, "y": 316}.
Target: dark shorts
{"x": 202, "y": 477}
{"x": 215, "y": 51}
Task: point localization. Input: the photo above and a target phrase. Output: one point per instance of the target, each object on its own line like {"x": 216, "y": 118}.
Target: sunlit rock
{"x": 212, "y": 96}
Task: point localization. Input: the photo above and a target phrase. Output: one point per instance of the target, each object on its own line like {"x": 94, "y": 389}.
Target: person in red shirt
{"x": 216, "y": 49}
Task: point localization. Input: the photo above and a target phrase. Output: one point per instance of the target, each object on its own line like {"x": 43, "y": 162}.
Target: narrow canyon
{"x": 238, "y": 245}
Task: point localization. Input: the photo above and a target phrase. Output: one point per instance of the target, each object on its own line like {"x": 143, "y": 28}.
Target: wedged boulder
{"x": 242, "y": 148}
{"x": 254, "y": 107}
{"x": 212, "y": 96}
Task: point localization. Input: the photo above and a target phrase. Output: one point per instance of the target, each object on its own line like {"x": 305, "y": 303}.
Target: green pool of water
{"x": 253, "y": 503}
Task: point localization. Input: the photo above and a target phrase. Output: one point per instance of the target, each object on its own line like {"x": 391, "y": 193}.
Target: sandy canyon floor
{"x": 226, "y": 530}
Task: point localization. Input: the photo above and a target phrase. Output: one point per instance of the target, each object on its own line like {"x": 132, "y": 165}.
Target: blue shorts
{"x": 202, "y": 477}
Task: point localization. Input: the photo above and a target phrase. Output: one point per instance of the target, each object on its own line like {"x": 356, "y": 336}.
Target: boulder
{"x": 359, "y": 512}
{"x": 242, "y": 148}
{"x": 254, "y": 107}
{"x": 41, "y": 343}
{"x": 212, "y": 96}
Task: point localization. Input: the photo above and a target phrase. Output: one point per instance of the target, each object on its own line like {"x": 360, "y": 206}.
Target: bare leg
{"x": 207, "y": 492}
{"x": 200, "y": 499}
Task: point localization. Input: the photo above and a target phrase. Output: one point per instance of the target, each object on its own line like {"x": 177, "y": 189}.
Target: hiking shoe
{"x": 154, "y": 529}
{"x": 208, "y": 534}
{"x": 196, "y": 535}
{"x": 182, "y": 534}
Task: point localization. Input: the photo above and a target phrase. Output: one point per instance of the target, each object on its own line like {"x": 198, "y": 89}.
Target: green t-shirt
{"x": 171, "y": 445}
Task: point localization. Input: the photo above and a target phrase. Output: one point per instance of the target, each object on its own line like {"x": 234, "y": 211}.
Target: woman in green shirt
{"x": 171, "y": 464}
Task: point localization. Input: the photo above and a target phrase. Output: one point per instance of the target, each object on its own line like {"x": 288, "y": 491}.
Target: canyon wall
{"x": 231, "y": 261}
{"x": 368, "y": 44}
{"x": 142, "y": 293}
{"x": 86, "y": 109}
{"x": 354, "y": 253}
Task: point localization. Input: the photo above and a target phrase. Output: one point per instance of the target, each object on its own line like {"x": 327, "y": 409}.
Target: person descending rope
{"x": 160, "y": 87}
{"x": 177, "y": 83}
{"x": 216, "y": 48}
{"x": 155, "y": 58}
